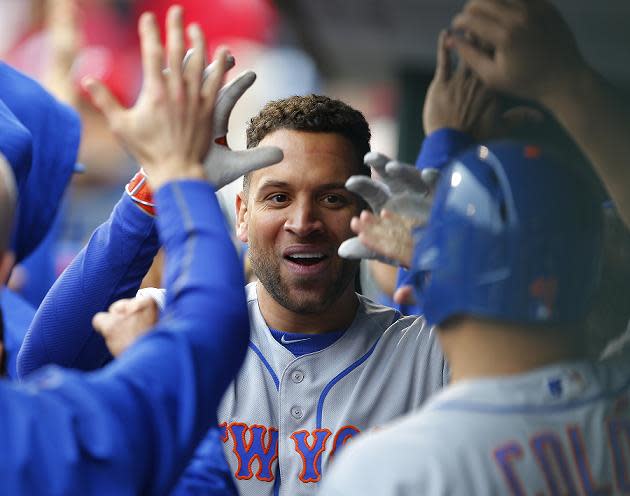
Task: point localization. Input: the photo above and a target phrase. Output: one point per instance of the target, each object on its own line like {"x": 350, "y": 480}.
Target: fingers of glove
{"x": 353, "y": 249}
{"x": 430, "y": 177}
{"x": 227, "y": 98}
{"x": 415, "y": 208}
{"x": 230, "y": 63}
{"x": 376, "y": 160}
{"x": 212, "y": 84}
{"x": 405, "y": 177}
{"x": 376, "y": 194}
{"x": 224, "y": 165}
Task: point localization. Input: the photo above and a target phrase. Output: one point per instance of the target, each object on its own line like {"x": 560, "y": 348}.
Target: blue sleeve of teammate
{"x": 441, "y": 146}
{"x": 130, "y": 427}
{"x": 111, "y": 266}
{"x": 208, "y": 472}
{"x": 437, "y": 150}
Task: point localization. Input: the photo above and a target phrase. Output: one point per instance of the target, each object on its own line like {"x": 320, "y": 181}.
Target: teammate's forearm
{"x": 597, "y": 116}
{"x": 110, "y": 267}
{"x": 130, "y": 427}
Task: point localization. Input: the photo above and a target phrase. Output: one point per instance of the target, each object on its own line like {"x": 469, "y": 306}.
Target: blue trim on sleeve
{"x": 441, "y": 146}
{"x": 255, "y": 349}
{"x": 336, "y": 379}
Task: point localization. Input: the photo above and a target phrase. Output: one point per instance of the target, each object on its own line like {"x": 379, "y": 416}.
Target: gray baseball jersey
{"x": 284, "y": 417}
{"x": 562, "y": 429}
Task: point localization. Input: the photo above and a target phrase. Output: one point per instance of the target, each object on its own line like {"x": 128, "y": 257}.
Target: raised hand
{"x": 457, "y": 99}
{"x": 223, "y": 164}
{"x": 125, "y": 322}
{"x": 399, "y": 203}
{"x": 386, "y": 236}
{"x": 62, "y": 22}
{"x": 169, "y": 129}
{"x": 522, "y": 47}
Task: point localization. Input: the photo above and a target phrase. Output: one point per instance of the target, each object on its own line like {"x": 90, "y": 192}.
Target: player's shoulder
{"x": 388, "y": 317}
{"x": 392, "y": 460}
{"x": 392, "y": 326}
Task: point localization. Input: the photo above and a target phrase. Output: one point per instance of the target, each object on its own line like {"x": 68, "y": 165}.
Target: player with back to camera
{"x": 113, "y": 431}
{"x": 508, "y": 278}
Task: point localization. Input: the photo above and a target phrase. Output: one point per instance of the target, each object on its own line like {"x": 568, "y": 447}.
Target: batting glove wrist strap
{"x": 140, "y": 192}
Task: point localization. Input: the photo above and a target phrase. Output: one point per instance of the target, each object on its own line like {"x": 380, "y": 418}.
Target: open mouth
{"x": 306, "y": 259}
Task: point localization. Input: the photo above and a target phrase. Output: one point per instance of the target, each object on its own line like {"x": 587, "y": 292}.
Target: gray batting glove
{"x": 403, "y": 190}
{"x": 354, "y": 249}
{"x": 223, "y": 165}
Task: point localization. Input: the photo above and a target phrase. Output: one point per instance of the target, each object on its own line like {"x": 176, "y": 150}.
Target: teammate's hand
{"x": 62, "y": 23}
{"x": 386, "y": 237}
{"x": 522, "y": 47}
{"x": 457, "y": 99}
{"x": 126, "y": 321}
{"x": 169, "y": 129}
{"x": 224, "y": 165}
{"x": 399, "y": 202}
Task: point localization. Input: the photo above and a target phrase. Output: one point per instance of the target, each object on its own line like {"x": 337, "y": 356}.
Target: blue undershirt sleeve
{"x": 110, "y": 267}
{"x": 130, "y": 427}
{"x": 441, "y": 146}
{"x": 438, "y": 149}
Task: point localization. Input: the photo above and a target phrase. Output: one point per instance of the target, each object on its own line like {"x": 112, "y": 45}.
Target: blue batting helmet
{"x": 513, "y": 235}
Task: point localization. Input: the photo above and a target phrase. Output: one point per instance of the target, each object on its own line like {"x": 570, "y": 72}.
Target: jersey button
{"x": 297, "y": 413}
{"x": 297, "y": 376}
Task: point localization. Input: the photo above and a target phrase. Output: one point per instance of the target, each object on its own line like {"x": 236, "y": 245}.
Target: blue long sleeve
{"x": 110, "y": 267}
{"x": 437, "y": 150}
{"x": 130, "y": 427}
{"x": 18, "y": 314}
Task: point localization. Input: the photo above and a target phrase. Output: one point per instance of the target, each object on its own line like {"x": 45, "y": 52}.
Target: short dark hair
{"x": 313, "y": 113}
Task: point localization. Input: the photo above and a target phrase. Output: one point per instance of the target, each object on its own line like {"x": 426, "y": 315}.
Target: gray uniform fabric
{"x": 382, "y": 367}
{"x": 561, "y": 429}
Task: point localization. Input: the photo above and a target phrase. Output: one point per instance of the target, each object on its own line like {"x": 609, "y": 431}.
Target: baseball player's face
{"x": 296, "y": 215}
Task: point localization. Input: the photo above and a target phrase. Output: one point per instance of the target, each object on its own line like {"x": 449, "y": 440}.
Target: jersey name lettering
{"x": 564, "y": 461}
{"x": 258, "y": 445}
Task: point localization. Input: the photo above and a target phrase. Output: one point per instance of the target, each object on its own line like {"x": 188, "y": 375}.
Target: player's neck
{"x": 477, "y": 348}
{"x": 337, "y": 317}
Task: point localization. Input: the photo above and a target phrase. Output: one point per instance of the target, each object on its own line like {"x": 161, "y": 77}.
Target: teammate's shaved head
{"x": 8, "y": 199}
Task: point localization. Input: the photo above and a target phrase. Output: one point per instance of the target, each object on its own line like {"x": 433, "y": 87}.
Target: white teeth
{"x": 307, "y": 255}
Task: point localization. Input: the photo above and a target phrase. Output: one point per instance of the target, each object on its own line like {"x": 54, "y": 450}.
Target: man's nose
{"x": 304, "y": 219}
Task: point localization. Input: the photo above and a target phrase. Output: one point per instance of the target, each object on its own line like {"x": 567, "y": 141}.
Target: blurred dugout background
{"x": 378, "y": 55}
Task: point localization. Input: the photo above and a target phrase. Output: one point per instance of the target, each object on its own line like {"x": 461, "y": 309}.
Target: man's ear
{"x": 7, "y": 261}
{"x": 241, "y": 217}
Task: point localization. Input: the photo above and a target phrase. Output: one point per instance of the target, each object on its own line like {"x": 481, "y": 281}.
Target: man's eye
{"x": 278, "y": 198}
{"x": 334, "y": 200}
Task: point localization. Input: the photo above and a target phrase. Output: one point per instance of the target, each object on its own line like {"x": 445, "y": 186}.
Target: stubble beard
{"x": 267, "y": 271}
